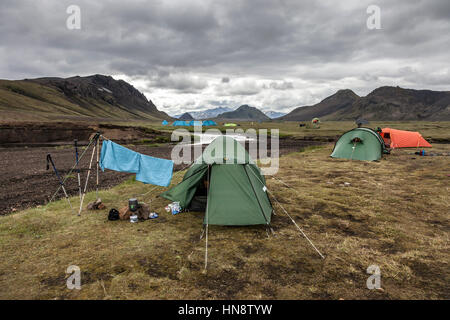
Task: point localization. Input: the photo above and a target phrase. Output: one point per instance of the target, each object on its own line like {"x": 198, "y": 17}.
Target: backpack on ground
{"x": 113, "y": 215}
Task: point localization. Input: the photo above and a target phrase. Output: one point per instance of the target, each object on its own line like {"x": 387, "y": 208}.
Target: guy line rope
{"x": 293, "y": 221}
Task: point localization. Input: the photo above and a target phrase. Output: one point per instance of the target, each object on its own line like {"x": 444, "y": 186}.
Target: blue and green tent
{"x": 209, "y": 123}
{"x": 180, "y": 123}
{"x": 195, "y": 123}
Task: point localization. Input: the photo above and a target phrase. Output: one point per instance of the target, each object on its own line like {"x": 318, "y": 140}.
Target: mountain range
{"x": 96, "y": 96}
{"x": 246, "y": 113}
{"x": 384, "y": 103}
{"x": 274, "y": 114}
{"x": 186, "y": 116}
{"x": 102, "y": 97}
{"x": 206, "y": 114}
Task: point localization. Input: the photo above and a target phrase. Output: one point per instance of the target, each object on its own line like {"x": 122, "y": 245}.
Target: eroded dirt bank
{"x": 62, "y": 133}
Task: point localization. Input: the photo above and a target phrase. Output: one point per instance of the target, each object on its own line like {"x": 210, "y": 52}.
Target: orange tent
{"x": 403, "y": 139}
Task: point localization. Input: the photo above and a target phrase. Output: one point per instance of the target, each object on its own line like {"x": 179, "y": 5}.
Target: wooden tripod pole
{"x": 87, "y": 180}
{"x": 98, "y": 150}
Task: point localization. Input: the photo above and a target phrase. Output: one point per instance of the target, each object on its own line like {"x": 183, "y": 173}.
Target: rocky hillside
{"x": 341, "y": 100}
{"x": 384, "y": 103}
{"x": 97, "y": 96}
{"x": 186, "y": 116}
{"x": 245, "y": 113}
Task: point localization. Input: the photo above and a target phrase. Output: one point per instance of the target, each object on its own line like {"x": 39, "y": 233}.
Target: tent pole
{"x": 87, "y": 180}
{"x": 206, "y": 249}
{"x": 98, "y": 149}
{"x": 207, "y": 202}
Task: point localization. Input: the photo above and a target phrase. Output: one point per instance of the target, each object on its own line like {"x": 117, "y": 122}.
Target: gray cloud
{"x": 285, "y": 85}
{"x": 278, "y": 53}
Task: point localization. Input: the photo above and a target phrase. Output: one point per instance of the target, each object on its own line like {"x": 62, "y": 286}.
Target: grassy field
{"x": 392, "y": 213}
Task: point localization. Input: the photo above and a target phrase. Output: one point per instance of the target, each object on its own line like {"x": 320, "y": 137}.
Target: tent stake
{"x": 207, "y": 202}
{"x": 206, "y": 249}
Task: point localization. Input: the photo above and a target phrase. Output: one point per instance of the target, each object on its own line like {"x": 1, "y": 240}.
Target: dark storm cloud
{"x": 309, "y": 46}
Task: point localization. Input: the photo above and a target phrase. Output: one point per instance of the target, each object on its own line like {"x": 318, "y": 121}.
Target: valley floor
{"x": 392, "y": 213}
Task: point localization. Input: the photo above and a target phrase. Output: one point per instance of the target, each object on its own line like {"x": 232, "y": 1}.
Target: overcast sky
{"x": 193, "y": 55}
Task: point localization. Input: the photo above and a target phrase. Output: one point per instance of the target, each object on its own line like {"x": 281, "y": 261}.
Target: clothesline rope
{"x": 97, "y": 146}
{"x": 148, "y": 169}
{"x": 157, "y": 186}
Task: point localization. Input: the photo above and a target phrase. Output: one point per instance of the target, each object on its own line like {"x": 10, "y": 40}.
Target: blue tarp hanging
{"x": 148, "y": 169}
{"x": 118, "y": 158}
{"x": 155, "y": 171}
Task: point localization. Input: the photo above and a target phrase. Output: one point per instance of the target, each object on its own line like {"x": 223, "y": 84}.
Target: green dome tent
{"x": 237, "y": 194}
{"x": 359, "y": 144}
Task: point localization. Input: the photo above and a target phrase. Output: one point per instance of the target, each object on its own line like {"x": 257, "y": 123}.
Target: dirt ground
{"x": 26, "y": 183}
